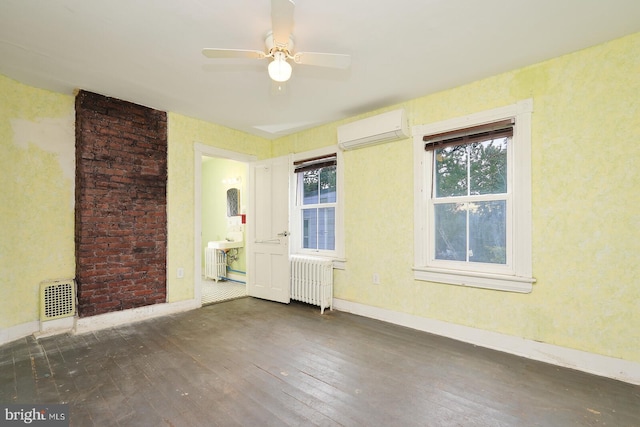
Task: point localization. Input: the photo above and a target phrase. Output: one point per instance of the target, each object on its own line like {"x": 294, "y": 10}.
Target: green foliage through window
{"x": 470, "y": 223}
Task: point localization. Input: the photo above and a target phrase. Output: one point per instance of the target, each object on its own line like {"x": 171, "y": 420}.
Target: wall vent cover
{"x": 57, "y": 299}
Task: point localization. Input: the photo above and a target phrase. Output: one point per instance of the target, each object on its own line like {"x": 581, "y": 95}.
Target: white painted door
{"x": 268, "y": 230}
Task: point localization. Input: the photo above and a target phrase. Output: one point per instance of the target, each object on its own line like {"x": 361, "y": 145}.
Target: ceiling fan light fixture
{"x": 279, "y": 49}
{"x": 279, "y": 68}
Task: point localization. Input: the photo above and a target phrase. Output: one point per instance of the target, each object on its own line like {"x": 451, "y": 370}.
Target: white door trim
{"x": 200, "y": 150}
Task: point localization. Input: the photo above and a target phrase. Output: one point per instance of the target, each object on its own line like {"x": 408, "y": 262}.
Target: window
{"x": 472, "y": 218}
{"x": 318, "y": 207}
{"x": 469, "y": 193}
{"x": 317, "y": 215}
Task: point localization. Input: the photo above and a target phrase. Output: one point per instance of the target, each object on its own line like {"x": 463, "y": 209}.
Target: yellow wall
{"x": 585, "y": 157}
{"x": 37, "y": 164}
{"x": 586, "y": 209}
{"x": 183, "y": 133}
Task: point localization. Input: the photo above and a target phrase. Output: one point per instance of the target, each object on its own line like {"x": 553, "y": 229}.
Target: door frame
{"x": 201, "y": 150}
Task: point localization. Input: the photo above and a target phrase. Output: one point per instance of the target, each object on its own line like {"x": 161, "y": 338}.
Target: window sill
{"x": 497, "y": 282}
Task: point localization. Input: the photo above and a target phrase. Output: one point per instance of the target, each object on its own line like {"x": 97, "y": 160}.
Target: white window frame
{"x": 295, "y": 240}
{"x": 516, "y": 275}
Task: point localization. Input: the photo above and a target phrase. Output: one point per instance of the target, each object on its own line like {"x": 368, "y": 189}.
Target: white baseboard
{"x": 89, "y": 324}
{"x": 16, "y": 332}
{"x": 117, "y": 318}
{"x": 605, "y": 366}
{"x": 55, "y": 327}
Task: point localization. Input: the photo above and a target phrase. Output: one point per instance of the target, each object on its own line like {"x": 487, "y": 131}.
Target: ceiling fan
{"x": 279, "y": 46}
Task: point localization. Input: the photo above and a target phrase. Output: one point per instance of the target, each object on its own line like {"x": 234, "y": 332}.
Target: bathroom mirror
{"x": 233, "y": 202}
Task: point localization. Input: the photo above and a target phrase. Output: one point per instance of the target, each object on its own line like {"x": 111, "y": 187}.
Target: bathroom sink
{"x": 225, "y": 244}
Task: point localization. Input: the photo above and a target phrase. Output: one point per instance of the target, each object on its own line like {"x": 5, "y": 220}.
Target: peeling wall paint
{"x": 51, "y": 135}
{"x": 37, "y": 191}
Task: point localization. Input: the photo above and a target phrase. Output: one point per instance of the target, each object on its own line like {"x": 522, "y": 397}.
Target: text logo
{"x": 54, "y": 415}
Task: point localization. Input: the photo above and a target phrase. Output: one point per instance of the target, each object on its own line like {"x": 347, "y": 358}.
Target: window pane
{"x": 326, "y": 228}
{"x": 451, "y": 171}
{"x": 487, "y": 232}
{"x": 328, "y": 184}
{"x": 318, "y": 228}
{"x": 488, "y": 166}
{"x": 451, "y": 231}
{"x": 310, "y": 228}
{"x": 310, "y": 181}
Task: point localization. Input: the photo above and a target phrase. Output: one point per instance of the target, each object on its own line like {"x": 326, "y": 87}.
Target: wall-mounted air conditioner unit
{"x": 384, "y": 127}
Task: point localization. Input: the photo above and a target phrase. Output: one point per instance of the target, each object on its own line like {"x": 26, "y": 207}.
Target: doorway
{"x": 221, "y": 192}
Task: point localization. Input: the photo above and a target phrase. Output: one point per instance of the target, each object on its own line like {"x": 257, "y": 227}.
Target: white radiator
{"x": 215, "y": 264}
{"x": 312, "y": 281}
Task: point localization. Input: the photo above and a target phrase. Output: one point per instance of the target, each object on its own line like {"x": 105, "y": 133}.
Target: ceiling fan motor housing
{"x": 272, "y": 47}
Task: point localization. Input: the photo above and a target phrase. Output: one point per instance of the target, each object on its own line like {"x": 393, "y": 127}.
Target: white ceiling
{"x": 149, "y": 51}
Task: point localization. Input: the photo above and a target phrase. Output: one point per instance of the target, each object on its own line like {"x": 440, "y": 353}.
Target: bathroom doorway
{"x": 221, "y": 195}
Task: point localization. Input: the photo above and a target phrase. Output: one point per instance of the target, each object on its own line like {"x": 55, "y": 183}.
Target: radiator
{"x": 57, "y": 299}
{"x": 312, "y": 281}
{"x": 215, "y": 264}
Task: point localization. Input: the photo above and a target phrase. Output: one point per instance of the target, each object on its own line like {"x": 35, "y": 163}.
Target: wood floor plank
{"x": 253, "y": 362}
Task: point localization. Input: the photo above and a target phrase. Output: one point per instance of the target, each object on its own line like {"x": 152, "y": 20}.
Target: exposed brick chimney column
{"x": 121, "y": 204}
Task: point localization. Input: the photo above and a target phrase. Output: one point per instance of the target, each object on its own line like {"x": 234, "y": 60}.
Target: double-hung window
{"x": 317, "y": 212}
{"x": 469, "y": 194}
{"x": 473, "y": 215}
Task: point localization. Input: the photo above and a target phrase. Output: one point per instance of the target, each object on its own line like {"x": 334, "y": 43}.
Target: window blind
{"x": 315, "y": 163}
{"x": 501, "y": 129}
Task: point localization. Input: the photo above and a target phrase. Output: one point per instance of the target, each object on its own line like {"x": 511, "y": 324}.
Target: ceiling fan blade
{"x": 232, "y": 53}
{"x": 332, "y": 60}
{"x": 282, "y": 21}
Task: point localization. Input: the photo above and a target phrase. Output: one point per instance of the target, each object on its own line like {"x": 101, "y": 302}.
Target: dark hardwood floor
{"x": 255, "y": 363}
